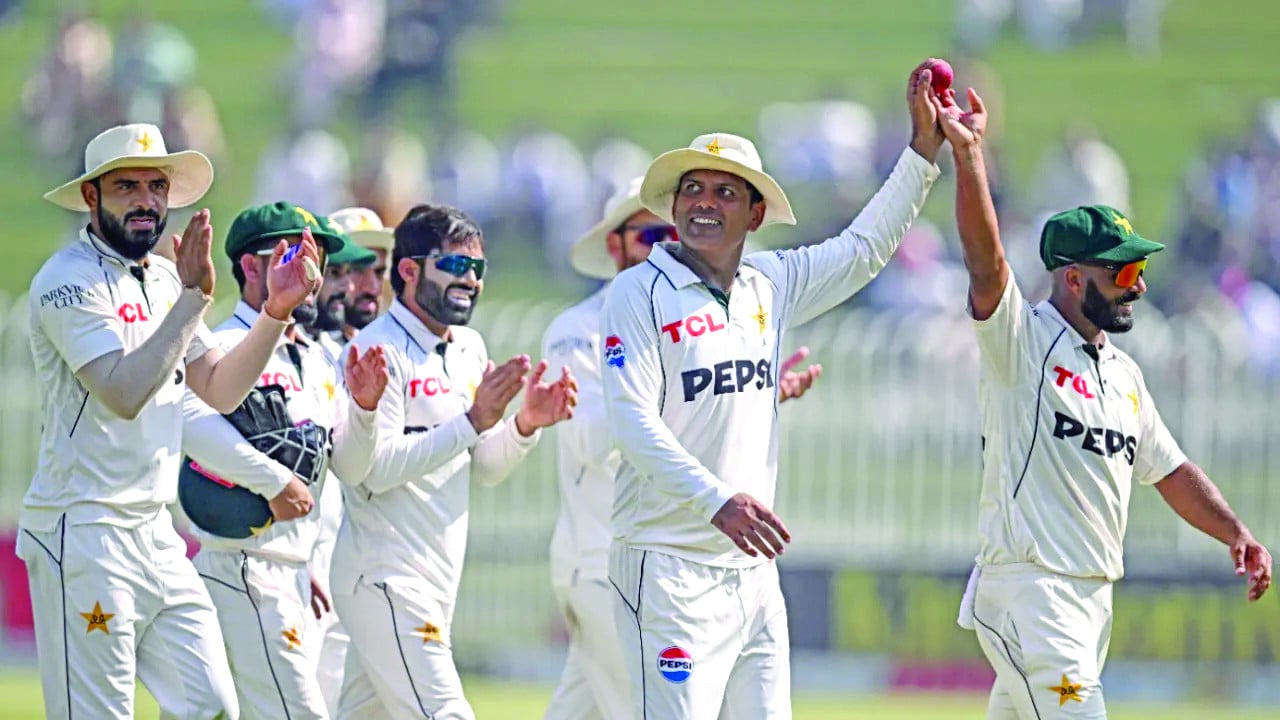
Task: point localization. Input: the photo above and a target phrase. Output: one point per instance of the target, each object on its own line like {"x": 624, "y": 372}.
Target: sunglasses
{"x": 457, "y": 264}
{"x": 292, "y": 251}
{"x": 653, "y": 234}
{"x": 1126, "y": 275}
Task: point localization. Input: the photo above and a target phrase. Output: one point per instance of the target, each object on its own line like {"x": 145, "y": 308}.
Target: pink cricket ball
{"x": 942, "y": 75}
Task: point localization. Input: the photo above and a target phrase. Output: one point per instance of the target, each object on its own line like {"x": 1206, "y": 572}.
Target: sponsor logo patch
{"x": 676, "y": 664}
{"x": 615, "y": 353}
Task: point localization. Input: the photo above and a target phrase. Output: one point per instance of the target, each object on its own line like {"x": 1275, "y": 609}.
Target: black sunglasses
{"x": 457, "y": 264}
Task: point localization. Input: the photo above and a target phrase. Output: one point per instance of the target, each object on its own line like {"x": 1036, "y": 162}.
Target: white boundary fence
{"x": 880, "y": 461}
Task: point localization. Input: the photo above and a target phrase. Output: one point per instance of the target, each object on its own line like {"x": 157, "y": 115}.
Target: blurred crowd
{"x": 538, "y": 186}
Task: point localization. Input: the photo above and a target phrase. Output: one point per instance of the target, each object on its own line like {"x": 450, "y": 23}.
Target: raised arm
{"x": 223, "y": 379}
{"x": 975, "y": 212}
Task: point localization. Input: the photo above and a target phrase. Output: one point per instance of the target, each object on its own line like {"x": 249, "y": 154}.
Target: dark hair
{"x": 426, "y": 229}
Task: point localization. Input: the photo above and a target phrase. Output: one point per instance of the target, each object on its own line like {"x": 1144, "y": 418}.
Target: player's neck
{"x": 715, "y": 266}
{"x": 1074, "y": 316}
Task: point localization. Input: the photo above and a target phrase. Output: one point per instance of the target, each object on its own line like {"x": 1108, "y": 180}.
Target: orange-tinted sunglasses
{"x": 1126, "y": 275}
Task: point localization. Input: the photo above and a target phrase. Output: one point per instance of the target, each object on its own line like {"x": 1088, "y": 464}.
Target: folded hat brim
{"x": 190, "y": 175}
{"x": 664, "y": 175}
{"x": 590, "y": 253}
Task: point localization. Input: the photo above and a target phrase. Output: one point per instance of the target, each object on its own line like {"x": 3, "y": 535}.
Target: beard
{"x": 357, "y": 316}
{"x": 132, "y": 244}
{"x": 1104, "y": 313}
{"x": 330, "y": 314}
{"x": 305, "y": 314}
{"x": 434, "y": 299}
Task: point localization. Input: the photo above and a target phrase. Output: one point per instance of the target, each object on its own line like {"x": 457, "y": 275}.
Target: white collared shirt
{"x": 690, "y": 384}
{"x": 406, "y": 520}
{"x": 96, "y": 467}
{"x": 1065, "y": 433}
{"x": 586, "y": 459}
{"x": 312, "y": 392}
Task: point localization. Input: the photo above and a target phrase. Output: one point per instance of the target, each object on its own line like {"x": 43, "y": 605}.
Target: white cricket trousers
{"x": 594, "y": 683}
{"x": 700, "y": 641}
{"x": 262, "y": 607}
{"x": 327, "y": 643}
{"x": 399, "y": 665}
{"x": 113, "y": 605}
{"x": 1046, "y": 635}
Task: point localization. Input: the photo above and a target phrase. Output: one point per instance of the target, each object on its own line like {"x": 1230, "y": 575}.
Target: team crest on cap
{"x": 615, "y": 353}
{"x": 676, "y": 664}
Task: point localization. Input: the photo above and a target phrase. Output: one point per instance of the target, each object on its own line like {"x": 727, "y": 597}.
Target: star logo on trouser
{"x": 1067, "y": 691}
{"x": 97, "y": 619}
{"x": 294, "y": 637}
{"x": 428, "y": 632}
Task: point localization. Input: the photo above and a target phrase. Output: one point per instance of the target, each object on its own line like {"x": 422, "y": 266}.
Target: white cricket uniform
{"x": 261, "y": 585}
{"x": 113, "y": 593}
{"x": 690, "y": 388}
{"x": 594, "y": 681}
{"x": 398, "y": 559}
{"x": 1066, "y": 429}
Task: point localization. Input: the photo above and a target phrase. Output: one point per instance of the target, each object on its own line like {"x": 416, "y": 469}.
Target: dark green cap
{"x": 260, "y": 223}
{"x": 1092, "y": 233}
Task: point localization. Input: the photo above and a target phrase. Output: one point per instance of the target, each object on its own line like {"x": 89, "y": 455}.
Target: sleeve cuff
{"x": 709, "y": 503}
{"x": 913, "y": 160}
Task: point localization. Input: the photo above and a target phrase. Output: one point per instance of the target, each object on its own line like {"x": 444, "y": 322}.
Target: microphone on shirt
{"x": 1091, "y": 350}
{"x": 138, "y": 273}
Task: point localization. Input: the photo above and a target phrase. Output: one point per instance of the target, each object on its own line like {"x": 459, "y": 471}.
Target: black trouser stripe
{"x": 262, "y": 632}
{"x": 395, "y": 629}
{"x": 62, "y": 589}
{"x": 1012, "y": 664}
{"x": 226, "y": 585}
{"x": 635, "y": 612}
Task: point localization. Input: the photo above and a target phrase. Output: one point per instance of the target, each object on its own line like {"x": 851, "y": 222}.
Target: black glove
{"x": 263, "y": 419}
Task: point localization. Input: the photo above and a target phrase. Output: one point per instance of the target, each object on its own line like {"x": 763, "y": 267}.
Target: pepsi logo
{"x": 615, "y": 353}
{"x": 675, "y": 664}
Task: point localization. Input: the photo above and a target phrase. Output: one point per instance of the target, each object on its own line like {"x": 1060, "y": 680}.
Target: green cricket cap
{"x": 1092, "y": 233}
{"x": 259, "y": 223}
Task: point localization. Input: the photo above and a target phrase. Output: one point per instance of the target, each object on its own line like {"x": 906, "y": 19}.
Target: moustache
{"x": 142, "y": 214}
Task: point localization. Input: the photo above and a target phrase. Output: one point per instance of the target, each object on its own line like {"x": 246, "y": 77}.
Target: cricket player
{"x": 330, "y": 328}
{"x": 260, "y": 584}
{"x": 691, "y": 351}
{"x": 594, "y": 681}
{"x": 1068, "y": 426}
{"x": 398, "y": 558}
{"x": 117, "y": 333}
{"x": 361, "y": 287}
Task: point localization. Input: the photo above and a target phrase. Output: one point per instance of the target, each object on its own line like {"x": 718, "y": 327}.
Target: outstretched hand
{"x": 289, "y": 284}
{"x": 926, "y": 136}
{"x": 366, "y": 375}
{"x": 1251, "y": 558}
{"x": 545, "y": 403}
{"x": 962, "y": 129}
{"x": 793, "y": 384}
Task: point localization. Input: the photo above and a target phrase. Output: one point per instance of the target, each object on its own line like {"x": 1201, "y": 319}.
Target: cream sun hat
{"x": 590, "y": 254}
{"x": 138, "y": 146}
{"x": 365, "y": 227}
{"x": 714, "y": 151}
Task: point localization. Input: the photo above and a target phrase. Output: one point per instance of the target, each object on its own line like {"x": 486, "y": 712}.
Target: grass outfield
{"x": 20, "y": 698}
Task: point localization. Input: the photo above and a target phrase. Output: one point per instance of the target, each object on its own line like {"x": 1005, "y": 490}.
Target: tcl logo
{"x": 284, "y": 380}
{"x": 1078, "y": 382}
{"x": 429, "y": 387}
{"x": 694, "y": 325}
{"x": 132, "y": 312}
{"x": 1102, "y": 441}
{"x": 730, "y": 376}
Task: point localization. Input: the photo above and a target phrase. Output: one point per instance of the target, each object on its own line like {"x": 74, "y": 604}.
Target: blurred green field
{"x": 20, "y": 698}
{"x": 658, "y": 72}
